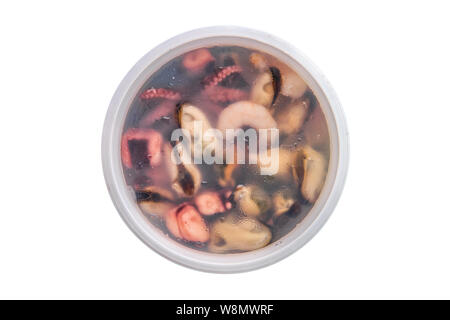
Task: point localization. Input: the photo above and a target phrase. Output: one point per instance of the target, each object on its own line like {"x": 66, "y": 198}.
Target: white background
{"x": 60, "y": 63}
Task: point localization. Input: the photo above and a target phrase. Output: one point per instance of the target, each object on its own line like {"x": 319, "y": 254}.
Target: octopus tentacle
{"x": 160, "y": 93}
{"x": 218, "y": 77}
{"x": 153, "y": 143}
{"x": 222, "y": 94}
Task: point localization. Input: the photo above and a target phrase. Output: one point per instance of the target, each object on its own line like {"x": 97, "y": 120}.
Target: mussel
{"x": 252, "y": 200}
{"x": 238, "y": 233}
{"x": 291, "y": 118}
{"x": 311, "y": 171}
{"x": 266, "y": 88}
{"x": 278, "y": 161}
{"x": 186, "y": 177}
{"x": 154, "y": 200}
{"x": 196, "y": 123}
{"x": 291, "y": 84}
{"x": 188, "y": 180}
{"x": 282, "y": 200}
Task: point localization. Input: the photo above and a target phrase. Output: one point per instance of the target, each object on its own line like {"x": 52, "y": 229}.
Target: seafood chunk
{"x": 186, "y": 177}
{"x": 154, "y": 193}
{"x": 221, "y": 95}
{"x": 188, "y": 180}
{"x": 141, "y": 147}
{"x": 280, "y": 161}
{"x": 252, "y": 200}
{"x": 245, "y": 113}
{"x": 220, "y": 75}
{"x": 155, "y": 200}
{"x": 196, "y": 61}
{"x": 311, "y": 173}
{"x": 228, "y": 149}
{"x": 258, "y": 61}
{"x": 160, "y": 93}
{"x": 156, "y": 208}
{"x": 196, "y": 123}
{"x": 283, "y": 200}
{"x": 266, "y": 87}
{"x": 225, "y": 85}
{"x": 237, "y": 233}
{"x": 291, "y": 118}
{"x": 188, "y": 114}
{"x": 292, "y": 85}
{"x": 186, "y": 223}
{"x": 209, "y": 203}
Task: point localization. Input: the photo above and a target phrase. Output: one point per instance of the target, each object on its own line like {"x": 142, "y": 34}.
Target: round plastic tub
{"x": 124, "y": 198}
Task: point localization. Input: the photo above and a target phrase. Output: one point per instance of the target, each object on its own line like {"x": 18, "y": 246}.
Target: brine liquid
{"x": 253, "y": 210}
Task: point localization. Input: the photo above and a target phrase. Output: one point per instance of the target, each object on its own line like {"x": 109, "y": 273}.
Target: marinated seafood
{"x": 194, "y": 180}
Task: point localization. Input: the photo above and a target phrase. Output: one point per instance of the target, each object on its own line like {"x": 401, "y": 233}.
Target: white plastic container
{"x": 123, "y": 196}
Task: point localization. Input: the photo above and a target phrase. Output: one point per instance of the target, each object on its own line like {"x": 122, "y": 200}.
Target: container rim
{"x": 225, "y": 263}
